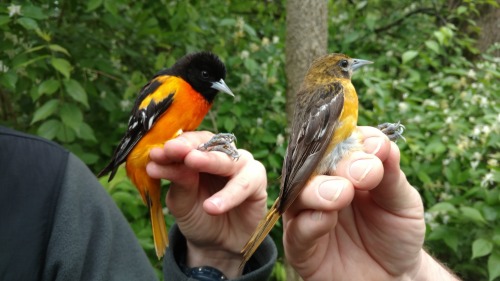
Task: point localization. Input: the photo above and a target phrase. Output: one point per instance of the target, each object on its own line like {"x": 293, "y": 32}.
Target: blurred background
{"x": 70, "y": 71}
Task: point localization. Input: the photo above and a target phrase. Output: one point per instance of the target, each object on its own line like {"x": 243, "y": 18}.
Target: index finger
{"x": 176, "y": 149}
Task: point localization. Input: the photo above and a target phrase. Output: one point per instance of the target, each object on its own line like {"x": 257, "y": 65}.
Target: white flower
{"x": 486, "y": 129}
{"x": 276, "y": 39}
{"x": 474, "y": 164}
{"x": 403, "y": 106}
{"x": 471, "y": 74}
{"x": 449, "y": 120}
{"x": 125, "y": 105}
{"x": 3, "y": 67}
{"x": 254, "y": 47}
{"x": 477, "y": 155}
{"x": 487, "y": 179}
{"x": 483, "y": 102}
{"x": 265, "y": 41}
{"x": 259, "y": 121}
{"x": 280, "y": 139}
{"x": 430, "y": 103}
{"x": 14, "y": 10}
{"x": 493, "y": 162}
{"x": 244, "y": 54}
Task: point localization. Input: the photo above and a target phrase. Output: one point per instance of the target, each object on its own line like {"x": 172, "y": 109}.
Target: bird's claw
{"x": 393, "y": 130}
{"x": 222, "y": 142}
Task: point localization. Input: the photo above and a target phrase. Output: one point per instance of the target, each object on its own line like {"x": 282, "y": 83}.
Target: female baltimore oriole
{"x": 174, "y": 101}
{"x": 323, "y": 132}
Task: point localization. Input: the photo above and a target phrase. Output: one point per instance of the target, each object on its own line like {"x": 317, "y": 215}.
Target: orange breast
{"x": 185, "y": 113}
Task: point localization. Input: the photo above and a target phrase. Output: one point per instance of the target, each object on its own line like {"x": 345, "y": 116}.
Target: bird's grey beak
{"x": 221, "y": 86}
{"x": 357, "y": 63}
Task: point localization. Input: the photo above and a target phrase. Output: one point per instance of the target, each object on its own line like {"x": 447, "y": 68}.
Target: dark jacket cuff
{"x": 259, "y": 267}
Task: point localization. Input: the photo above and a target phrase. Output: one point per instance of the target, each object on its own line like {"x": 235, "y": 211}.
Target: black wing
{"x": 312, "y": 131}
{"x": 140, "y": 122}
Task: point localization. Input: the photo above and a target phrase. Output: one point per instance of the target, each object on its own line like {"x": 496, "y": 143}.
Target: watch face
{"x": 204, "y": 273}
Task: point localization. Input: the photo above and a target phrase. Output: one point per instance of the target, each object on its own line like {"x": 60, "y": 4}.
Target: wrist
{"x": 225, "y": 261}
{"x": 431, "y": 269}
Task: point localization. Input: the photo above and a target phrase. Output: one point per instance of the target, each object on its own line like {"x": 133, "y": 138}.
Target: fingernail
{"x": 316, "y": 215}
{"x": 374, "y": 144}
{"x": 331, "y": 189}
{"x": 360, "y": 169}
{"x": 216, "y": 201}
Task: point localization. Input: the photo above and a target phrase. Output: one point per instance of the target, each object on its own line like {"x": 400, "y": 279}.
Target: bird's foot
{"x": 393, "y": 130}
{"x": 222, "y": 142}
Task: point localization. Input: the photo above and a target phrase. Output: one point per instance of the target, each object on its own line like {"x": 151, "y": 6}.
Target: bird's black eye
{"x": 344, "y": 63}
{"x": 204, "y": 74}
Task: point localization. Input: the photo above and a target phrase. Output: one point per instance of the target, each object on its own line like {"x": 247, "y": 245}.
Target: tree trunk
{"x": 489, "y": 22}
{"x": 306, "y": 39}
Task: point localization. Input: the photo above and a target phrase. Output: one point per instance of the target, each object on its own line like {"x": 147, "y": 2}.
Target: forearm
{"x": 431, "y": 269}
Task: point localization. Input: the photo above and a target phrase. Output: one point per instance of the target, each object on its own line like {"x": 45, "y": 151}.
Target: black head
{"x": 204, "y": 71}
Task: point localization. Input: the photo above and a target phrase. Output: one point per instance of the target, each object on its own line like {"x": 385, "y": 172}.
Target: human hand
{"x": 364, "y": 223}
{"x": 217, "y": 202}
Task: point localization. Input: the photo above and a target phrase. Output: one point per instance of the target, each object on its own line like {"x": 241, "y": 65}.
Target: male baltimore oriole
{"x": 174, "y": 101}
{"x": 323, "y": 131}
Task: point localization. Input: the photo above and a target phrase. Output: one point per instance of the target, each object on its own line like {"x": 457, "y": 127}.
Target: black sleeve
{"x": 90, "y": 239}
{"x": 260, "y": 265}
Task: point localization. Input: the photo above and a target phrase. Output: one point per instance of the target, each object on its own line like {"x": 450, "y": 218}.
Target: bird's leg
{"x": 393, "y": 130}
{"x": 221, "y": 142}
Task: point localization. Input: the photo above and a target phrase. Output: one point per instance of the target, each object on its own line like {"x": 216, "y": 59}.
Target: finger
{"x": 375, "y": 142}
{"x": 323, "y": 193}
{"x": 217, "y": 163}
{"x": 176, "y": 149}
{"x": 315, "y": 213}
{"x": 394, "y": 193}
{"x": 249, "y": 185}
{"x": 305, "y": 232}
{"x": 365, "y": 171}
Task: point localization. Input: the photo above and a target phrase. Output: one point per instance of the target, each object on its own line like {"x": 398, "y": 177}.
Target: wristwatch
{"x": 203, "y": 273}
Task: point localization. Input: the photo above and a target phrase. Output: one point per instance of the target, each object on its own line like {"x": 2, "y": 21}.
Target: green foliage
{"x": 70, "y": 70}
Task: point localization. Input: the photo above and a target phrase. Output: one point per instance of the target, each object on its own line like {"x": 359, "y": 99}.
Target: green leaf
{"x": 472, "y": 214}
{"x": 481, "y": 247}
{"x": 249, "y": 30}
{"x": 493, "y": 266}
{"x": 76, "y": 91}
{"x": 422, "y": 175}
{"x": 71, "y": 116}
{"x": 4, "y": 20}
{"x": 34, "y": 12}
{"x": 48, "y": 87}
{"x": 49, "y": 129}
{"x": 229, "y": 124}
{"x": 57, "y": 48}
{"x": 61, "y": 65}
{"x": 443, "y": 207}
{"x": 93, "y": 4}
{"x": 451, "y": 240}
{"x": 45, "y": 110}
{"x": 27, "y": 23}
{"x": 111, "y": 7}
{"x": 9, "y": 79}
{"x": 461, "y": 10}
{"x": 439, "y": 36}
{"x": 86, "y": 132}
{"x": 409, "y": 55}
{"x": 432, "y": 45}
